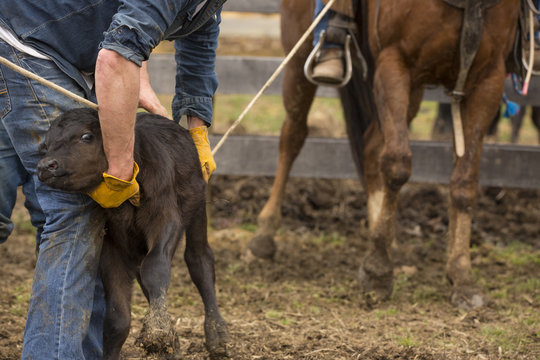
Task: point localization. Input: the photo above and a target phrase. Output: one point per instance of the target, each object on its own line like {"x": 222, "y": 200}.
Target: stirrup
{"x": 308, "y": 66}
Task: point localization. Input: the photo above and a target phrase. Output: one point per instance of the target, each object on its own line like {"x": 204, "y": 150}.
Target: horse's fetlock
{"x": 462, "y": 199}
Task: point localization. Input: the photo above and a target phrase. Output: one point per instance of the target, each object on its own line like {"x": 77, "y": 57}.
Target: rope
{"x": 274, "y": 75}
{"x": 530, "y": 66}
{"x": 48, "y": 83}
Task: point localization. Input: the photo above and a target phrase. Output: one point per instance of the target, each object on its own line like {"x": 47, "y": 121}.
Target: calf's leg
{"x": 118, "y": 283}
{"x": 200, "y": 261}
{"x": 157, "y": 334}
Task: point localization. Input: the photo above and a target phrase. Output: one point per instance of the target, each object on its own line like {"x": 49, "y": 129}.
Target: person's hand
{"x": 148, "y": 99}
{"x": 113, "y": 192}
{"x": 200, "y": 138}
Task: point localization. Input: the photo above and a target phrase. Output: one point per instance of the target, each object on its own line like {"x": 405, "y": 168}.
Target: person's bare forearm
{"x": 148, "y": 99}
{"x": 117, "y": 91}
{"x": 194, "y": 122}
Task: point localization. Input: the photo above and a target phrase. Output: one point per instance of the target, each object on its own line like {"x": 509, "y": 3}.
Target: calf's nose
{"x": 47, "y": 165}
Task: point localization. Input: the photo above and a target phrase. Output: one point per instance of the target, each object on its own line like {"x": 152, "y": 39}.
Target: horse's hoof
{"x": 158, "y": 337}
{"x": 217, "y": 337}
{"x": 468, "y": 297}
{"x": 376, "y": 279}
{"x": 262, "y": 246}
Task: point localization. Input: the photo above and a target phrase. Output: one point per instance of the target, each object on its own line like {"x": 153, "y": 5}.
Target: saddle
{"x": 484, "y": 4}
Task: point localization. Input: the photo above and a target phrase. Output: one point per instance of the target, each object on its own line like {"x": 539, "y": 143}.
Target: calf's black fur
{"x": 140, "y": 241}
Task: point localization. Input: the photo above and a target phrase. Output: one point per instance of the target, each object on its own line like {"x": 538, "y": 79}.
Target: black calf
{"x": 140, "y": 242}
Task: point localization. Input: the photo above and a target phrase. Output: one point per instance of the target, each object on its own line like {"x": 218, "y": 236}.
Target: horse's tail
{"x": 357, "y": 96}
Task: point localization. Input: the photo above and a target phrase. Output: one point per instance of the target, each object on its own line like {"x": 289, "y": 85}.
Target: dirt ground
{"x": 306, "y": 303}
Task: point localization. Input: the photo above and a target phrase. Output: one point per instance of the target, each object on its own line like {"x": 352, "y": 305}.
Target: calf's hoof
{"x": 158, "y": 336}
{"x": 376, "y": 278}
{"x": 468, "y": 297}
{"x": 262, "y": 246}
{"x": 217, "y": 337}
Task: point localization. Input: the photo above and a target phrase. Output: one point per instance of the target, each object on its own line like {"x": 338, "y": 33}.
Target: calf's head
{"x": 74, "y": 159}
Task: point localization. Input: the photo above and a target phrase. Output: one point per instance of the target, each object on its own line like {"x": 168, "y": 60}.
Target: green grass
{"x": 21, "y": 294}
{"x": 406, "y": 339}
{"x": 517, "y": 254}
{"x": 249, "y": 227}
{"x": 383, "y": 314}
{"x": 280, "y": 317}
{"x": 333, "y": 239}
{"x": 267, "y": 115}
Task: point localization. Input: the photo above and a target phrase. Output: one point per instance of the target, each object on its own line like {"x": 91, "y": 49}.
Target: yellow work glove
{"x": 200, "y": 138}
{"x": 112, "y": 192}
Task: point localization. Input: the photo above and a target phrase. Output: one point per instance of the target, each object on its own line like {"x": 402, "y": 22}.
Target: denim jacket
{"x": 71, "y": 32}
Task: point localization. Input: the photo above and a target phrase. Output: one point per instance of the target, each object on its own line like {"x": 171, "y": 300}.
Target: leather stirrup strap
{"x": 471, "y": 35}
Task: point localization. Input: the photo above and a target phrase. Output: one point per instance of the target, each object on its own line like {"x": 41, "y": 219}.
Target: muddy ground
{"x": 306, "y": 303}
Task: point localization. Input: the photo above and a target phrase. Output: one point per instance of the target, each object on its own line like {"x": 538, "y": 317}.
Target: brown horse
{"x": 408, "y": 44}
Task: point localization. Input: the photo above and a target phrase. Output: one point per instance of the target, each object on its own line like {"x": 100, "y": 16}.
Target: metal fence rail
{"x": 501, "y": 165}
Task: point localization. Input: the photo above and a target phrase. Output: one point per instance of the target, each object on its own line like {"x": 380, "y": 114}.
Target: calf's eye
{"x": 87, "y": 137}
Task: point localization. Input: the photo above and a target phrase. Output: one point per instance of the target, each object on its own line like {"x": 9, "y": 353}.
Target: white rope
{"x": 275, "y": 74}
{"x": 48, "y": 83}
{"x": 525, "y": 89}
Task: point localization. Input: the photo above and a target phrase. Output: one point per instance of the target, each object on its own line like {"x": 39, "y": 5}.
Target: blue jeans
{"x": 67, "y": 305}
{"x": 322, "y": 25}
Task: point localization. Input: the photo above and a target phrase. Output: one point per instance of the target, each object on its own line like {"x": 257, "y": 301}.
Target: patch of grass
{"x": 530, "y": 285}
{"x": 234, "y": 267}
{"x": 280, "y": 317}
{"x": 407, "y": 340}
{"x": 22, "y": 299}
{"x": 23, "y": 224}
{"x": 139, "y": 310}
{"x": 517, "y": 254}
{"x": 383, "y": 314}
{"x": 249, "y": 227}
{"x": 508, "y": 339}
{"x": 334, "y": 239}
{"x": 427, "y": 293}
{"x": 315, "y": 310}
{"x": 267, "y": 115}
{"x": 401, "y": 282}
{"x": 500, "y": 294}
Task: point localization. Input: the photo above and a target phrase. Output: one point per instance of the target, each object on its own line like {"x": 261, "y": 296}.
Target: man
{"x": 86, "y": 46}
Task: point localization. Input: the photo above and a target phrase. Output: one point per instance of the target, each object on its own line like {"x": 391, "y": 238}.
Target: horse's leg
{"x": 479, "y": 109}
{"x": 298, "y": 95}
{"x": 393, "y": 100}
{"x": 517, "y": 122}
{"x": 535, "y": 117}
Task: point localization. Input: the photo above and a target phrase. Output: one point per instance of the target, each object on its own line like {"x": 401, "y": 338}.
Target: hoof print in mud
{"x": 262, "y": 246}
{"x": 468, "y": 297}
